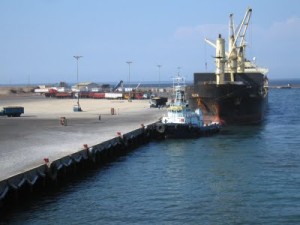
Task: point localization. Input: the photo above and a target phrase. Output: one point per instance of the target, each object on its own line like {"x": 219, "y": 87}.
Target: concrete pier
{"x": 37, "y": 148}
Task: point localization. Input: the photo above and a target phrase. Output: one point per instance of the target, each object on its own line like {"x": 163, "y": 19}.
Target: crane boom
{"x": 210, "y": 42}
{"x": 242, "y": 29}
{"x": 231, "y": 26}
{"x": 245, "y": 26}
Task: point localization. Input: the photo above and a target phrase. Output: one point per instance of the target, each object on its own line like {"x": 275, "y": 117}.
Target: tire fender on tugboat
{"x": 160, "y": 128}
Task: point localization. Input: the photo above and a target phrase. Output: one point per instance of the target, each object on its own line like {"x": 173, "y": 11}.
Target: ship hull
{"x": 240, "y": 102}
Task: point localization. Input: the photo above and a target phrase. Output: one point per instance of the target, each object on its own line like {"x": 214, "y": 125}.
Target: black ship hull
{"x": 241, "y": 102}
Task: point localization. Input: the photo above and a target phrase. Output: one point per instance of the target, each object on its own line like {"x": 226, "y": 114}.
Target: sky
{"x": 38, "y": 38}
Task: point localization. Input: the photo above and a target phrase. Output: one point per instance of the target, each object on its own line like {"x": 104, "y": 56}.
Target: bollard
{"x": 47, "y": 162}
{"x": 112, "y": 111}
{"x": 63, "y": 121}
{"x": 100, "y": 117}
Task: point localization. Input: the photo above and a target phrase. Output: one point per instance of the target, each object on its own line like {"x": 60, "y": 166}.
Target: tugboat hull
{"x": 185, "y": 131}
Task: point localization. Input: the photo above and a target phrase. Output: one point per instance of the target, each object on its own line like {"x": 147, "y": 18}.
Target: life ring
{"x": 160, "y": 128}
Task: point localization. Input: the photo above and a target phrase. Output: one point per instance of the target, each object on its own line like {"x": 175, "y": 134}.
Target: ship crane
{"x": 236, "y": 55}
{"x": 242, "y": 29}
{"x": 236, "y": 51}
{"x": 231, "y": 26}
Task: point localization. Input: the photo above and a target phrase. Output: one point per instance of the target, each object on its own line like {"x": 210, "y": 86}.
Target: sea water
{"x": 244, "y": 175}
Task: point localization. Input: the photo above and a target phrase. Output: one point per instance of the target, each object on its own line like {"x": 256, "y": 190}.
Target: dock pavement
{"x": 25, "y": 141}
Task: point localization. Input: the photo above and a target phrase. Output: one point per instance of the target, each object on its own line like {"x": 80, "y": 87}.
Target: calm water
{"x": 245, "y": 175}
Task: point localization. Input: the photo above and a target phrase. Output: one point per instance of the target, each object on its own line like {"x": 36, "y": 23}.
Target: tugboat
{"x": 181, "y": 121}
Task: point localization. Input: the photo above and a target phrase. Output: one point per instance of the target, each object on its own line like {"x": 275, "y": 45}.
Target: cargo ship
{"x": 237, "y": 93}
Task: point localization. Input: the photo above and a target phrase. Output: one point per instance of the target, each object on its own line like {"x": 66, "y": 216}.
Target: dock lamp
{"x": 129, "y": 98}
{"x": 77, "y": 108}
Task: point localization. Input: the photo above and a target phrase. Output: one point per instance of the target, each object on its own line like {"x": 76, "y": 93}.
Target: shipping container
{"x": 97, "y": 95}
{"x": 113, "y": 95}
{"x": 63, "y": 95}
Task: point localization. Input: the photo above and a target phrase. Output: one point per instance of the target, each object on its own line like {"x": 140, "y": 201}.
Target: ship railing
{"x": 209, "y": 122}
{"x": 225, "y": 82}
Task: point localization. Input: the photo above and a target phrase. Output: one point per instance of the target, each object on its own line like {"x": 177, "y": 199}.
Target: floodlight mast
{"x": 129, "y": 98}
{"x": 77, "y": 57}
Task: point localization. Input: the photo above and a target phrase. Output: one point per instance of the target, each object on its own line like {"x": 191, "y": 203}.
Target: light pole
{"x": 77, "y": 57}
{"x": 178, "y": 69}
{"x": 129, "y": 98}
{"x": 159, "y": 75}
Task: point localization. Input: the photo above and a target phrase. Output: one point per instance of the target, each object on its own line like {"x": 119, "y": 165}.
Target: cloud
{"x": 285, "y": 30}
{"x": 210, "y": 31}
{"x": 277, "y": 46}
